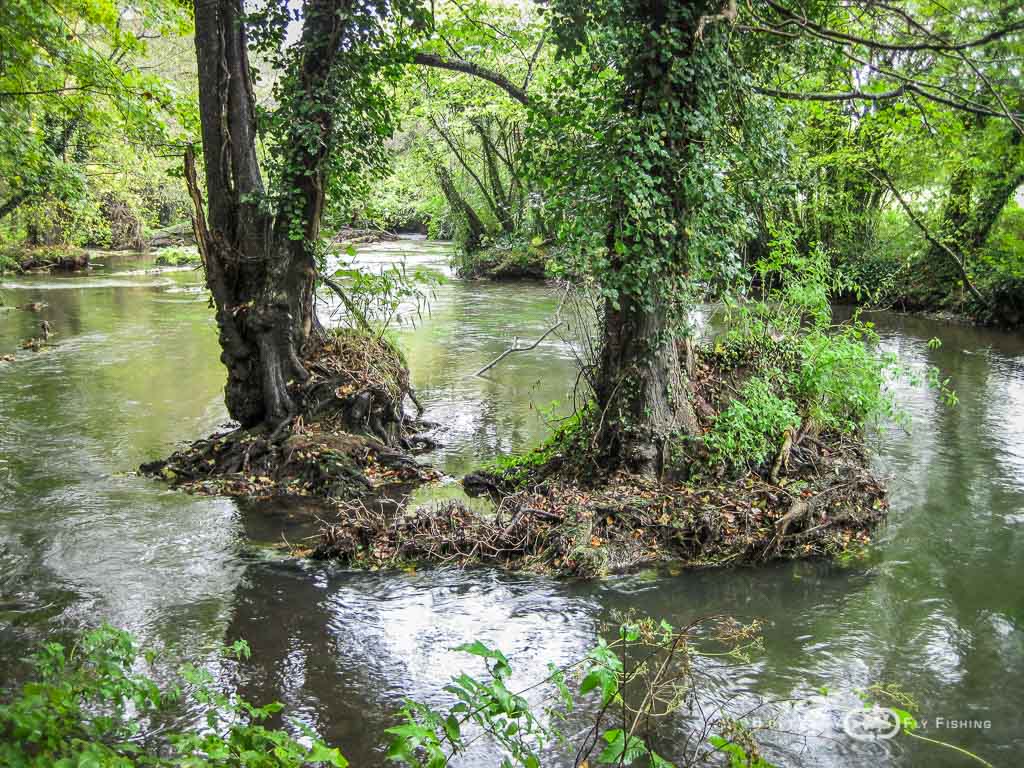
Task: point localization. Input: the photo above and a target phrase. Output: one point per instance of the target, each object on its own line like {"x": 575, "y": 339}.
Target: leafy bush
{"x": 633, "y": 681}
{"x": 373, "y": 300}
{"x": 839, "y": 379}
{"x": 808, "y": 373}
{"x": 86, "y": 707}
{"x": 752, "y": 427}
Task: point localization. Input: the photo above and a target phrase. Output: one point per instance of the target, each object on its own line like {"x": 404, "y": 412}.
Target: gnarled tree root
{"x": 349, "y": 438}
{"x": 625, "y": 523}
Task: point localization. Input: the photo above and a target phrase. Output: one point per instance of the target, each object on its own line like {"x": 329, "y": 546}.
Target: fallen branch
{"x": 516, "y": 348}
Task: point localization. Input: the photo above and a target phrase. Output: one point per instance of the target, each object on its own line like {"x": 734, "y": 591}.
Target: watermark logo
{"x": 871, "y": 724}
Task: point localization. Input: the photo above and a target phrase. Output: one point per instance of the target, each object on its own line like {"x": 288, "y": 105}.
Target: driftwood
{"x": 516, "y": 348}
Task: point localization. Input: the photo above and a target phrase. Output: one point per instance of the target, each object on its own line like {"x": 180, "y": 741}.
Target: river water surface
{"x": 937, "y": 608}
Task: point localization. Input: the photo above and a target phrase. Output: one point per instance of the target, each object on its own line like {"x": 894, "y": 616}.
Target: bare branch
{"x": 933, "y": 45}
{"x": 855, "y": 95}
{"x": 516, "y": 348}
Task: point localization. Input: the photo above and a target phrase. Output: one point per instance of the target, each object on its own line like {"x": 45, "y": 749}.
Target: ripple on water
{"x": 935, "y": 608}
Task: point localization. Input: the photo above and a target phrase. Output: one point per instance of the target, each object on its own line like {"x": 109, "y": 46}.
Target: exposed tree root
{"x": 626, "y": 522}
{"x": 350, "y": 435}
{"x": 557, "y": 511}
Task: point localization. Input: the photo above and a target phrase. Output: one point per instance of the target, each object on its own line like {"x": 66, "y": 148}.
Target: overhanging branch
{"x": 469, "y": 68}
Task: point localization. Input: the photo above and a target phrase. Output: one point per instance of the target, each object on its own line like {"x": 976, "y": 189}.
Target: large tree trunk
{"x": 995, "y": 190}
{"x": 940, "y": 272}
{"x": 502, "y": 205}
{"x": 261, "y": 277}
{"x": 642, "y": 388}
{"x": 475, "y": 229}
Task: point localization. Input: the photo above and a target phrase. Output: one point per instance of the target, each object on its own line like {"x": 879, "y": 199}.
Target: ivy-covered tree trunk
{"x": 994, "y": 190}
{"x": 643, "y": 391}
{"x": 975, "y": 199}
{"x": 260, "y": 271}
{"x": 939, "y": 273}
{"x": 475, "y": 228}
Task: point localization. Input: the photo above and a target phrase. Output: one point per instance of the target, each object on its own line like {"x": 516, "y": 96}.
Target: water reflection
{"x": 936, "y": 609}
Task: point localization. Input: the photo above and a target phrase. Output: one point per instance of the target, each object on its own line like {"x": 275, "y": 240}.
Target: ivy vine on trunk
{"x": 259, "y": 244}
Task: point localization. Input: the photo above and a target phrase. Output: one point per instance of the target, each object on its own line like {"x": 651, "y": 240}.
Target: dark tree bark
{"x": 469, "y": 68}
{"x": 642, "y": 389}
{"x": 457, "y": 203}
{"x": 502, "y": 204}
{"x": 262, "y": 279}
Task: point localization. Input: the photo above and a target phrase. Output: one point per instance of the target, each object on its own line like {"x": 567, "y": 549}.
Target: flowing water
{"x": 938, "y": 607}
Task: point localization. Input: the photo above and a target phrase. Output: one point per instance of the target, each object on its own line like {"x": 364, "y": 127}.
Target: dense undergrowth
{"x": 90, "y": 706}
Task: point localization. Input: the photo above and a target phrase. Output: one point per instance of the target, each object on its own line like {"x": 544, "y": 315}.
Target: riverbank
{"x": 43, "y": 258}
{"x": 624, "y": 523}
{"x": 925, "y": 288}
{"x": 504, "y": 260}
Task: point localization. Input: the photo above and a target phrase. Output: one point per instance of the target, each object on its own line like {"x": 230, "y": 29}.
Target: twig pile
{"x": 625, "y": 523}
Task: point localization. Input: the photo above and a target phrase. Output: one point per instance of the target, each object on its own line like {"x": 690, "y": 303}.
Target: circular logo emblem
{"x": 875, "y": 724}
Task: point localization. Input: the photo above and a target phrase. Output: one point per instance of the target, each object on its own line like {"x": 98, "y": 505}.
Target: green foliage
{"x": 86, "y": 97}
{"x": 752, "y": 428}
{"x": 642, "y": 676}
{"x": 456, "y": 157}
{"x": 564, "y": 441}
{"x": 87, "y": 706}
{"x": 374, "y": 300}
{"x": 806, "y": 372}
{"x": 738, "y": 757}
{"x": 644, "y": 163}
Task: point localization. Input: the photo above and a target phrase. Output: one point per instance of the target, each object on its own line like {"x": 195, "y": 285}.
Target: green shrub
{"x": 752, "y": 427}
{"x": 87, "y": 708}
{"x": 807, "y": 371}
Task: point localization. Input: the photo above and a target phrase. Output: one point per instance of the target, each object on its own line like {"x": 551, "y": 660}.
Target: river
{"x": 937, "y": 607}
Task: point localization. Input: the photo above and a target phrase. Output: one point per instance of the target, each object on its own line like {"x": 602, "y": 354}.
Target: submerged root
{"x": 349, "y": 437}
